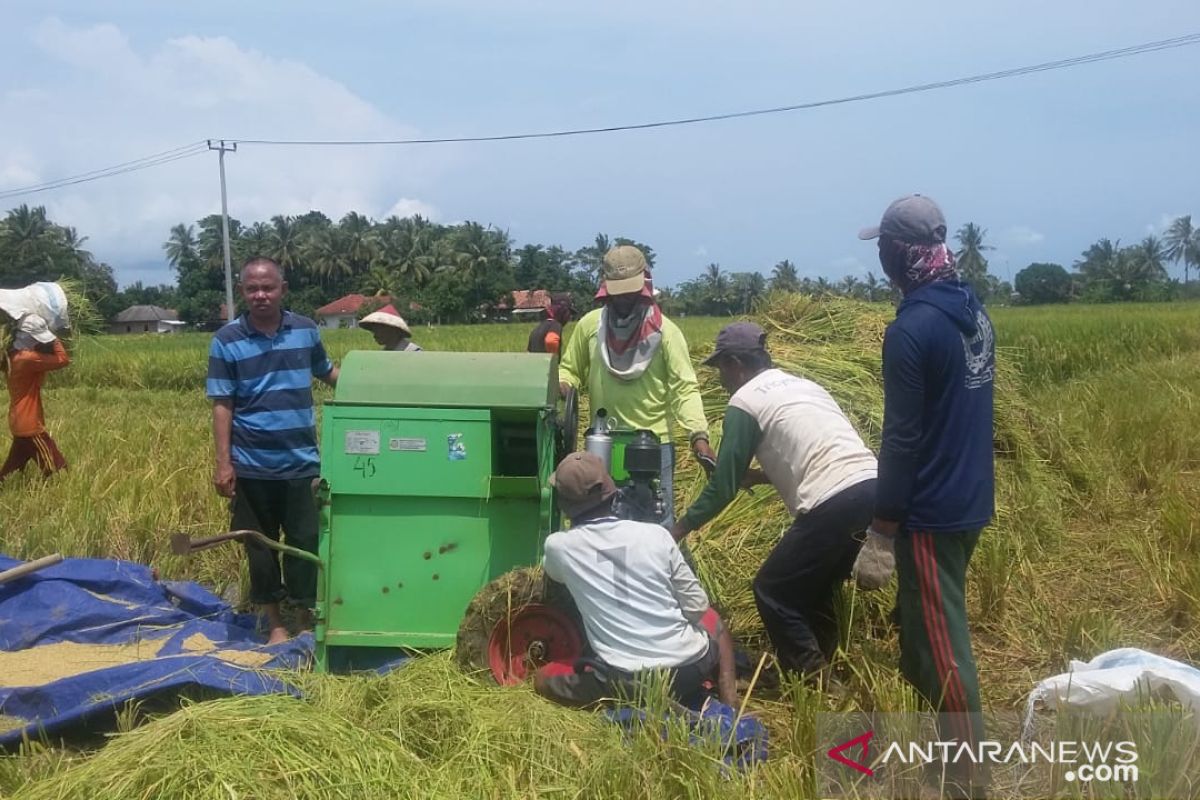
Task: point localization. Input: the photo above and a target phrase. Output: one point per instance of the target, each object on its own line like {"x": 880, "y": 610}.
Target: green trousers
{"x": 935, "y": 643}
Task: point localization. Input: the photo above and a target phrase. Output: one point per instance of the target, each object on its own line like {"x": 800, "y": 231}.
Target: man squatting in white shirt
{"x": 641, "y": 604}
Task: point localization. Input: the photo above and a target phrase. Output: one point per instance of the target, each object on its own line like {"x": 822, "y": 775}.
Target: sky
{"x": 1047, "y": 163}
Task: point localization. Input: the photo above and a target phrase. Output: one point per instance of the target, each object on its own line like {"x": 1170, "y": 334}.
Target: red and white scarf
{"x": 627, "y": 345}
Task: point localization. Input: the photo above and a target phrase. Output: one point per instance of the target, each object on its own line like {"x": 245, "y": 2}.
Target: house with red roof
{"x": 526, "y": 303}
{"x": 346, "y": 311}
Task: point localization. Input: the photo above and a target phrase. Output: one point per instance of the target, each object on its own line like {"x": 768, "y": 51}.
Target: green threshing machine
{"x": 435, "y": 500}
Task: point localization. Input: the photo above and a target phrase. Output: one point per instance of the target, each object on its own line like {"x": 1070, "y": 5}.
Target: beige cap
{"x": 385, "y": 316}
{"x": 34, "y": 326}
{"x": 582, "y": 483}
{"x": 624, "y": 270}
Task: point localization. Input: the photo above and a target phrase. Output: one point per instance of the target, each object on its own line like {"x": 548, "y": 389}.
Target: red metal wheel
{"x": 532, "y": 637}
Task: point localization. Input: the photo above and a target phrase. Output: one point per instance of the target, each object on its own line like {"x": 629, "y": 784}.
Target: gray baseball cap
{"x": 915, "y": 218}
{"x": 740, "y": 337}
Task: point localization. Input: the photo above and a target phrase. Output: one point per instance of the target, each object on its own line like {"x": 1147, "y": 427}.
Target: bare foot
{"x": 278, "y": 635}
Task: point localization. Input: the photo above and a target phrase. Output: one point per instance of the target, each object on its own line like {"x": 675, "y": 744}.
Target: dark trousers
{"x": 794, "y": 589}
{"x": 593, "y": 681}
{"x": 39, "y": 448}
{"x": 268, "y": 506}
{"x": 935, "y": 643}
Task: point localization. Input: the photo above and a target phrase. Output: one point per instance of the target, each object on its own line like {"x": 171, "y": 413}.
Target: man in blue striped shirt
{"x": 260, "y": 371}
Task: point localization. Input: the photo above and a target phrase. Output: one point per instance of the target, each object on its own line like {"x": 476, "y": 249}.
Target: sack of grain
{"x": 47, "y": 300}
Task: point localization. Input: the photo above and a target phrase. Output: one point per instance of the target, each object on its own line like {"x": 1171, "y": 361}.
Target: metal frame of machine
{"x": 434, "y": 481}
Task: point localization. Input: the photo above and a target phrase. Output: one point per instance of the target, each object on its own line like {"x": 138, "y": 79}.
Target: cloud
{"x": 17, "y": 170}
{"x": 847, "y": 265}
{"x": 1165, "y": 221}
{"x": 407, "y": 207}
{"x": 137, "y": 102}
{"x": 700, "y": 252}
{"x": 1020, "y": 236}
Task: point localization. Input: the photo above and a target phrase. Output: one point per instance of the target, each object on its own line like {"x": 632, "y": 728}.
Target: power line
{"x": 157, "y": 159}
{"x": 1091, "y": 58}
{"x": 196, "y": 148}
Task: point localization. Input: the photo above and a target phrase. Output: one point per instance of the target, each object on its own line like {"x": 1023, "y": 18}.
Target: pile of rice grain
{"x": 37, "y": 666}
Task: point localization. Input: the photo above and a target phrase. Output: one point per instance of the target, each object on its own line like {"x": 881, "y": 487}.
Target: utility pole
{"x": 223, "y": 147}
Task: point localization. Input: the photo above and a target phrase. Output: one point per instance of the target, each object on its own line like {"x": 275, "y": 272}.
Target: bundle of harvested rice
{"x": 82, "y": 312}
{"x": 423, "y": 731}
{"x": 837, "y": 343}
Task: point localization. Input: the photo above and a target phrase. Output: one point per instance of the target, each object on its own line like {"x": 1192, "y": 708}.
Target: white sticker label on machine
{"x": 409, "y": 445}
{"x": 362, "y": 443}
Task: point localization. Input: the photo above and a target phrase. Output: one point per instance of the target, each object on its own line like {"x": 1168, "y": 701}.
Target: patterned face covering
{"x": 911, "y": 266}
{"x": 628, "y": 344}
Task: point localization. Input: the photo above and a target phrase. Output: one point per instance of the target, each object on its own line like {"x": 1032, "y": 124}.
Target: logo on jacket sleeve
{"x": 980, "y": 352}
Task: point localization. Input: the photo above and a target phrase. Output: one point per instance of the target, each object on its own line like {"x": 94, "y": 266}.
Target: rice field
{"x": 1096, "y": 545}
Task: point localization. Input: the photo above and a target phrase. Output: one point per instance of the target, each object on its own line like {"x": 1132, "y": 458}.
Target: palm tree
{"x": 284, "y": 242}
{"x": 26, "y": 229}
{"x": 325, "y": 256}
{"x": 875, "y": 288}
{"x": 753, "y": 291}
{"x": 255, "y": 242}
{"x": 785, "y": 278}
{"x": 180, "y": 246}
{"x": 1149, "y": 257}
{"x": 1182, "y": 244}
{"x": 971, "y": 262}
{"x": 1098, "y": 261}
{"x": 479, "y": 250}
{"x": 74, "y": 243}
{"x": 400, "y": 247}
{"x": 379, "y": 282}
{"x": 441, "y": 257}
{"x": 359, "y": 240}
{"x": 210, "y": 244}
{"x": 591, "y": 257}
{"x": 716, "y": 286}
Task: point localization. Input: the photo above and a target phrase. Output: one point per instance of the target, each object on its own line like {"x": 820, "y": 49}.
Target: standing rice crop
{"x": 837, "y": 343}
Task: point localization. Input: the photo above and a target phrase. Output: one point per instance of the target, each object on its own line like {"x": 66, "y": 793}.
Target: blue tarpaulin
{"x": 102, "y": 602}
{"x": 743, "y": 737}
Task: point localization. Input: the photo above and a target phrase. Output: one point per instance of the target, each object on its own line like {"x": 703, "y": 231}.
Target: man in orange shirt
{"x": 35, "y": 351}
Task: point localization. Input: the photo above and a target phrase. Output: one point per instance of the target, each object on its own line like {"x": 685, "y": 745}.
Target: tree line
{"x": 466, "y": 272}
{"x": 1107, "y": 272}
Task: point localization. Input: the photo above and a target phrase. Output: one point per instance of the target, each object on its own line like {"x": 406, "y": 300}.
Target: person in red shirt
{"x": 35, "y": 351}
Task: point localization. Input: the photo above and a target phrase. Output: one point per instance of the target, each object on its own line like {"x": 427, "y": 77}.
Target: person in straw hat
{"x": 390, "y": 330}
{"x": 825, "y": 475}
{"x": 642, "y": 606}
{"x": 634, "y": 363}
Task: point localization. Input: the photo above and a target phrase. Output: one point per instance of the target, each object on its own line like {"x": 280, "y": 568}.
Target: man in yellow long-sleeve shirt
{"x": 634, "y": 363}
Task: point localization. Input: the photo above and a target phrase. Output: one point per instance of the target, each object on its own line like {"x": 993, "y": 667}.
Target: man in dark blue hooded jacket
{"x": 935, "y": 488}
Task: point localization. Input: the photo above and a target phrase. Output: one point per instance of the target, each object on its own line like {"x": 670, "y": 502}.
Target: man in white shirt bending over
{"x": 825, "y": 476}
{"x": 642, "y": 606}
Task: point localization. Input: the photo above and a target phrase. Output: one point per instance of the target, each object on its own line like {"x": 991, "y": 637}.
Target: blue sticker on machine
{"x": 455, "y": 447}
